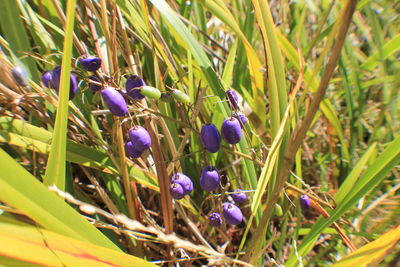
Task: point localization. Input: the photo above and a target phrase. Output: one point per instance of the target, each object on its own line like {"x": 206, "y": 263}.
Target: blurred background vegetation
{"x": 277, "y": 56}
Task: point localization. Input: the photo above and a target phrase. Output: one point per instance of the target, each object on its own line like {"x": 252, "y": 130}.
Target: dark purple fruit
{"x": 177, "y": 191}
{"x": 215, "y": 219}
{"x": 56, "y": 78}
{"x": 184, "y": 181}
{"x": 140, "y": 138}
{"x": 239, "y": 196}
{"x": 92, "y": 86}
{"x": 305, "y": 202}
{"x": 131, "y": 151}
{"x": 114, "y": 101}
{"x": 232, "y": 99}
{"x": 232, "y": 214}
{"x": 231, "y": 130}
{"x": 47, "y": 79}
{"x": 209, "y": 179}
{"x": 133, "y": 85}
{"x": 19, "y": 75}
{"x": 90, "y": 63}
{"x": 210, "y": 137}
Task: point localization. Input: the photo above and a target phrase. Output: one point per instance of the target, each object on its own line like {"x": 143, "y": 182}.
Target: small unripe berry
{"x": 114, "y": 101}
{"x": 305, "y": 202}
{"x": 19, "y": 75}
{"x": 151, "y": 92}
{"x": 140, "y": 138}
{"x": 177, "y": 191}
{"x": 92, "y": 86}
{"x": 131, "y": 151}
{"x": 232, "y": 99}
{"x": 180, "y": 96}
{"x": 232, "y": 214}
{"x": 184, "y": 181}
{"x": 209, "y": 179}
{"x": 210, "y": 137}
{"x": 133, "y": 85}
{"x": 90, "y": 63}
{"x": 231, "y": 130}
{"x": 215, "y": 219}
{"x": 278, "y": 210}
{"x": 239, "y": 196}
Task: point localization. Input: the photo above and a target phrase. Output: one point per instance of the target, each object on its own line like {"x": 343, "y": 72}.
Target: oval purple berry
{"x": 209, "y": 179}
{"x": 184, "y": 181}
{"x": 56, "y": 78}
{"x": 90, "y": 63}
{"x": 210, "y": 137}
{"x": 305, "y": 202}
{"x": 239, "y": 196}
{"x": 232, "y": 98}
{"x": 215, "y": 219}
{"x": 92, "y": 86}
{"x": 232, "y": 214}
{"x": 140, "y": 138}
{"x": 19, "y": 75}
{"x": 114, "y": 101}
{"x": 133, "y": 84}
{"x": 47, "y": 79}
{"x": 131, "y": 151}
{"x": 231, "y": 130}
{"x": 177, "y": 191}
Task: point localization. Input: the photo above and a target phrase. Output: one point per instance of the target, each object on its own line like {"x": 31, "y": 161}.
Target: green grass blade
{"x": 55, "y": 171}
{"x": 21, "y": 190}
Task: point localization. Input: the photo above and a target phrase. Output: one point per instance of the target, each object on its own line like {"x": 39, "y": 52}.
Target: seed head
{"x": 210, "y": 137}
{"x": 209, "y": 179}
{"x": 231, "y": 130}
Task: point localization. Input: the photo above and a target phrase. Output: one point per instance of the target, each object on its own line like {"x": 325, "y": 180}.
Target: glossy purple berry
{"x": 92, "y": 86}
{"x": 19, "y": 75}
{"x": 56, "y": 78}
{"x": 209, "y": 179}
{"x": 305, "y": 201}
{"x": 140, "y": 138}
{"x": 47, "y": 79}
{"x": 239, "y": 196}
{"x": 210, "y": 137}
{"x": 114, "y": 101}
{"x": 232, "y": 214}
{"x": 184, "y": 181}
{"x": 90, "y": 63}
{"x": 215, "y": 219}
{"x": 177, "y": 191}
{"x": 231, "y": 130}
{"x": 232, "y": 99}
{"x": 133, "y": 85}
{"x": 131, "y": 151}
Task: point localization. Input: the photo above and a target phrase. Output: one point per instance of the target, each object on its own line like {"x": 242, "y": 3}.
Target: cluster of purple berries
{"x": 140, "y": 140}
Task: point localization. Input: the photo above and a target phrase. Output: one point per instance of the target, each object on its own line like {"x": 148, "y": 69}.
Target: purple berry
{"x": 19, "y": 75}
{"x": 239, "y": 196}
{"x": 131, "y": 151}
{"x": 92, "y": 86}
{"x": 47, "y": 79}
{"x": 209, "y": 179}
{"x": 56, "y": 78}
{"x": 305, "y": 202}
{"x": 184, "y": 181}
{"x": 140, "y": 138}
{"x": 114, "y": 101}
{"x": 215, "y": 219}
{"x": 210, "y": 137}
{"x": 133, "y": 84}
{"x": 242, "y": 119}
{"x": 232, "y": 214}
{"x": 232, "y": 99}
{"x": 90, "y": 63}
{"x": 177, "y": 191}
{"x": 231, "y": 130}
